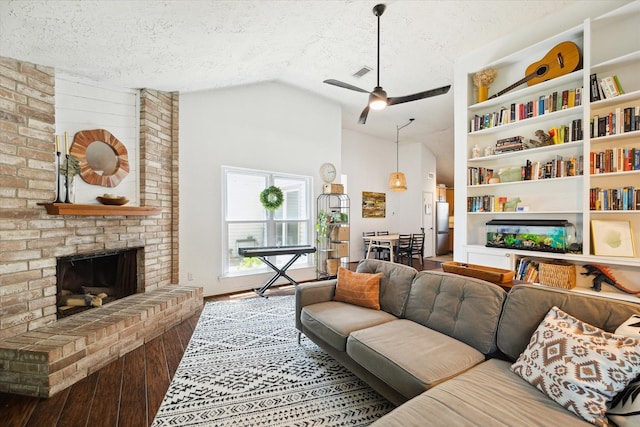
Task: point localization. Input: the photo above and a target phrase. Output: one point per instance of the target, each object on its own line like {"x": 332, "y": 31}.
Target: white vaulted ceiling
{"x": 192, "y": 45}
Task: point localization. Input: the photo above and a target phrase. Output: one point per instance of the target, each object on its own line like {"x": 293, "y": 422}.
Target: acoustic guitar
{"x": 562, "y": 59}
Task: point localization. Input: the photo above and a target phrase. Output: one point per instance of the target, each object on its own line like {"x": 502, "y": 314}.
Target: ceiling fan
{"x": 378, "y": 97}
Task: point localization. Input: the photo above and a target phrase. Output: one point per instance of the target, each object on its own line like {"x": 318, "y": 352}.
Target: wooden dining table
{"x": 387, "y": 241}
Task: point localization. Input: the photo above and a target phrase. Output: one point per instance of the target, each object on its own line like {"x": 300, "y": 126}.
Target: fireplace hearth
{"x": 93, "y": 280}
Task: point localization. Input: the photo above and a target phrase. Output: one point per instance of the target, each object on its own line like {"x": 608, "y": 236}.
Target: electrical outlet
{"x": 189, "y": 276}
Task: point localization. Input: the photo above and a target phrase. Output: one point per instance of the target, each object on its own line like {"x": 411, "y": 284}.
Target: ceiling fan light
{"x": 397, "y": 182}
{"x": 377, "y": 104}
{"x": 378, "y": 99}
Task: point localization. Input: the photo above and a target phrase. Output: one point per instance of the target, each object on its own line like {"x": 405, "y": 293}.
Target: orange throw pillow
{"x": 361, "y": 289}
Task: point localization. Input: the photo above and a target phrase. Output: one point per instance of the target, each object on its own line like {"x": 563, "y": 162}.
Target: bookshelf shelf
{"x": 531, "y": 151}
{"x": 556, "y": 115}
{"x": 607, "y": 51}
{"x": 528, "y": 182}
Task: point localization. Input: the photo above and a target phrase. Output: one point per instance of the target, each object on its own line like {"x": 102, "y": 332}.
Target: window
{"x": 247, "y": 223}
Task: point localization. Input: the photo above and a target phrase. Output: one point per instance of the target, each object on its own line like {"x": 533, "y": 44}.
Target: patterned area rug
{"x": 244, "y": 367}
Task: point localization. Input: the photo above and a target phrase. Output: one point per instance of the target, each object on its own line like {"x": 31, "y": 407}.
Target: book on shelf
{"x": 617, "y": 159}
{"x": 594, "y": 88}
{"x": 610, "y": 86}
{"x": 617, "y": 121}
{"x": 527, "y": 270}
{"x": 614, "y": 199}
{"x": 515, "y": 112}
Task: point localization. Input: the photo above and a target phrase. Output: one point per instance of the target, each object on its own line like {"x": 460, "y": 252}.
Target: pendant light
{"x": 397, "y": 180}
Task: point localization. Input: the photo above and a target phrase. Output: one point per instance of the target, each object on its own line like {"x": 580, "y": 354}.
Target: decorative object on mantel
{"x": 482, "y": 79}
{"x": 397, "y": 180}
{"x": 69, "y": 168}
{"x": 59, "y": 171}
{"x": 271, "y": 198}
{"x": 110, "y": 199}
{"x": 103, "y": 158}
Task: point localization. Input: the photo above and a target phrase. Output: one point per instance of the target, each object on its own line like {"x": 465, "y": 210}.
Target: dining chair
{"x": 367, "y": 242}
{"x": 383, "y": 251}
{"x": 417, "y": 248}
{"x": 403, "y": 249}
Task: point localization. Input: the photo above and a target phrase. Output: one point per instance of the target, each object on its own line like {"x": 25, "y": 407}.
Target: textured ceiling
{"x": 192, "y": 45}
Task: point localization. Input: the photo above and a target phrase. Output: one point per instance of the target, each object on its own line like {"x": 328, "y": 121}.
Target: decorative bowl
{"x": 119, "y": 201}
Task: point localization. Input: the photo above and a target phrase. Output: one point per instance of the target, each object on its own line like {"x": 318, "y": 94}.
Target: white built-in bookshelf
{"x": 574, "y": 190}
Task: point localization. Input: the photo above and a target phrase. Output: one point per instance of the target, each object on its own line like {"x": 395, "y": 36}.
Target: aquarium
{"x": 546, "y": 235}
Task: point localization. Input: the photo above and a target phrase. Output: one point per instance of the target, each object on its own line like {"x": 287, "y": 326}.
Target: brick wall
{"x": 31, "y": 240}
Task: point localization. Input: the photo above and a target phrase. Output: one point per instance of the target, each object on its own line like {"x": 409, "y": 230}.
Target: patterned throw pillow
{"x": 625, "y": 407}
{"x": 358, "y": 288}
{"x": 577, "y": 365}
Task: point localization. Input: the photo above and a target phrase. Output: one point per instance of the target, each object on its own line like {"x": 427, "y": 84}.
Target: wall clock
{"x": 328, "y": 172}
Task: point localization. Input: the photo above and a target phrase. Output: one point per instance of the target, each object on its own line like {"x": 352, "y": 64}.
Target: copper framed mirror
{"x": 103, "y": 158}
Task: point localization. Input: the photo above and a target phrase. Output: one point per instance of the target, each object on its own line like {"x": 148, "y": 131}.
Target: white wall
{"x": 267, "y": 126}
{"x": 85, "y": 105}
{"x": 368, "y": 161}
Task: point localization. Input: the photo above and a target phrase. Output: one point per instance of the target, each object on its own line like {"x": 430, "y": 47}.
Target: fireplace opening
{"x": 92, "y": 280}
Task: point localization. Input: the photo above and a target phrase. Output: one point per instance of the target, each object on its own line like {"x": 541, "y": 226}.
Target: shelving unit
{"x": 609, "y": 46}
{"x": 332, "y": 234}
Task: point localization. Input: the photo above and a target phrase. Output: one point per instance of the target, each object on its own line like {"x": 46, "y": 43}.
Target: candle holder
{"x": 58, "y": 199}
{"x": 66, "y": 181}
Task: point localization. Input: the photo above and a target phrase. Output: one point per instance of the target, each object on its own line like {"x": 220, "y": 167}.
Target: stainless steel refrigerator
{"x": 442, "y": 228}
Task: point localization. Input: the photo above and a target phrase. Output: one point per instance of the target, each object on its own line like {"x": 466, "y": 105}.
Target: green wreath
{"x": 271, "y": 198}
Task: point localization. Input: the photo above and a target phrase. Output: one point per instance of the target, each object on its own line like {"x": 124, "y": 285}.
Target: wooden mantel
{"x": 98, "y": 210}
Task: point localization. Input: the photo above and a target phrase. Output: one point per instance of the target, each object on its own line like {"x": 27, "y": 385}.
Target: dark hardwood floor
{"x": 129, "y": 391}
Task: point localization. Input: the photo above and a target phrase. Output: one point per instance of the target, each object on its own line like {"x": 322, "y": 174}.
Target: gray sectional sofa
{"x": 442, "y": 345}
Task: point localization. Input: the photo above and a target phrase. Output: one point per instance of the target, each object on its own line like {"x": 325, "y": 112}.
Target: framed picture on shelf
{"x": 612, "y": 238}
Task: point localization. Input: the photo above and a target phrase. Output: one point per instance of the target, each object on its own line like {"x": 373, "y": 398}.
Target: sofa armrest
{"x": 313, "y": 293}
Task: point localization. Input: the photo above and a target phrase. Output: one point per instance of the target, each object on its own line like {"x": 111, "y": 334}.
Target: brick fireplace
{"x": 93, "y": 280}
{"x": 31, "y": 240}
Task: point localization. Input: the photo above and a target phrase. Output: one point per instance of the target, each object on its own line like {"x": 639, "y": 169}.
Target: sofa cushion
{"x": 625, "y": 407}
{"x": 394, "y": 284}
{"x": 361, "y": 289}
{"x": 486, "y": 395}
{"x": 578, "y": 365}
{"x": 333, "y": 321}
{"x": 464, "y": 308}
{"x": 527, "y": 305}
{"x": 409, "y": 357}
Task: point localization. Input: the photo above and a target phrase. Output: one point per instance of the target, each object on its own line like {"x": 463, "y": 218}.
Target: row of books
{"x": 614, "y": 199}
{"x": 605, "y": 87}
{"x": 486, "y": 203}
{"x": 479, "y": 175}
{"x": 555, "y": 168}
{"x": 621, "y": 120}
{"x": 567, "y": 133}
{"x": 516, "y": 112}
{"x": 618, "y": 159}
{"x": 527, "y": 270}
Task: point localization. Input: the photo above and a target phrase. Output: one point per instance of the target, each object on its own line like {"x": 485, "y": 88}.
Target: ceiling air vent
{"x": 362, "y": 71}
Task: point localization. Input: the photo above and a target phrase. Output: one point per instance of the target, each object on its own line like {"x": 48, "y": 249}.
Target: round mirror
{"x": 103, "y": 158}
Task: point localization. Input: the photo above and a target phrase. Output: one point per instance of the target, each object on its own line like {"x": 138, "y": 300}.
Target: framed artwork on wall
{"x": 612, "y": 238}
{"x": 374, "y": 205}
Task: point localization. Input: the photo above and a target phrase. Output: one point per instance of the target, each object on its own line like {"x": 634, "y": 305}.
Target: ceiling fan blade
{"x": 419, "y": 95}
{"x": 345, "y": 85}
{"x": 363, "y": 116}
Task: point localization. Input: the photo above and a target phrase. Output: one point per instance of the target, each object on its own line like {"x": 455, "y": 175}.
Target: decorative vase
{"x": 483, "y": 93}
